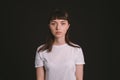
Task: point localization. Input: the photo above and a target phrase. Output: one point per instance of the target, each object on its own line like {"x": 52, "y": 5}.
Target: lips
{"x": 58, "y": 32}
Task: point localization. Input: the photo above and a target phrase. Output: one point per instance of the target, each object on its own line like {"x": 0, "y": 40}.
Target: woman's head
{"x": 59, "y": 23}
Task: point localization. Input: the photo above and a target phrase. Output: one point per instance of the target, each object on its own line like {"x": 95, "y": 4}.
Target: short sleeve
{"x": 38, "y": 60}
{"x": 79, "y": 57}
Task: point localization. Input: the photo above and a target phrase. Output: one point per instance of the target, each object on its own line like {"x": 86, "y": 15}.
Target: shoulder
{"x": 77, "y": 48}
{"x": 74, "y": 45}
{"x": 39, "y": 47}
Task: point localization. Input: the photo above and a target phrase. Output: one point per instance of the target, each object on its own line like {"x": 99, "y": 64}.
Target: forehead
{"x": 58, "y": 20}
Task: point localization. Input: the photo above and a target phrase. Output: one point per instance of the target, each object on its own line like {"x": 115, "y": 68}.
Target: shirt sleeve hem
{"x": 39, "y": 66}
{"x": 79, "y": 63}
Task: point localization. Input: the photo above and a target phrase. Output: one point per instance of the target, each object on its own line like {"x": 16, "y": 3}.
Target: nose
{"x": 57, "y": 27}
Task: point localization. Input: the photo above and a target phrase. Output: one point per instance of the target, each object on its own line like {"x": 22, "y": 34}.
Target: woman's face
{"x": 59, "y": 27}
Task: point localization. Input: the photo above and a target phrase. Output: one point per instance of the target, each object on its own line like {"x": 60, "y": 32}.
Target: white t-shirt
{"x": 60, "y": 63}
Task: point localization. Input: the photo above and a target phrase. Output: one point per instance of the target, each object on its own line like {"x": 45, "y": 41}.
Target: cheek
{"x": 66, "y": 28}
{"x": 52, "y": 29}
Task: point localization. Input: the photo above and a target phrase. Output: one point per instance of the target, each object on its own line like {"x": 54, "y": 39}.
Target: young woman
{"x": 59, "y": 58}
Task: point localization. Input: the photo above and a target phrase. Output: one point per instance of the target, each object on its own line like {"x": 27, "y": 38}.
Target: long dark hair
{"x": 57, "y": 14}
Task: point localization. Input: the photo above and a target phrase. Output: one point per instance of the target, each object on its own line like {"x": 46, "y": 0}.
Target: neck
{"x": 59, "y": 41}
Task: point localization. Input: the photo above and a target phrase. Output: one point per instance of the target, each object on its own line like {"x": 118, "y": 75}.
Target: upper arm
{"x": 39, "y": 65}
{"x": 79, "y": 72}
{"x": 40, "y": 73}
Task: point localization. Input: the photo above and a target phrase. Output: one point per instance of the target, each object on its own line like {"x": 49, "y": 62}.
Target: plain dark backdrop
{"x": 25, "y": 28}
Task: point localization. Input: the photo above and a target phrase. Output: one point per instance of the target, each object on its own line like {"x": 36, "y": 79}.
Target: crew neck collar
{"x": 62, "y": 45}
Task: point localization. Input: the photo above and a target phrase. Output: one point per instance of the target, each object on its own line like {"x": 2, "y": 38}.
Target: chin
{"x": 58, "y": 36}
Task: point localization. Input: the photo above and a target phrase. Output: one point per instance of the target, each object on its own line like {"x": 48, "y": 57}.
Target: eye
{"x": 52, "y": 23}
{"x": 63, "y": 23}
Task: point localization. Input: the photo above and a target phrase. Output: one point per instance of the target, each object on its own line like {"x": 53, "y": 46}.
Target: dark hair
{"x": 57, "y": 14}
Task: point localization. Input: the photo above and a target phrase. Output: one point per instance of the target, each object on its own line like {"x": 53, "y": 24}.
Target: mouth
{"x": 58, "y": 32}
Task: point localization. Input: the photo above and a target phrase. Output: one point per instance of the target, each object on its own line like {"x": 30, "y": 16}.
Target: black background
{"x": 25, "y": 28}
